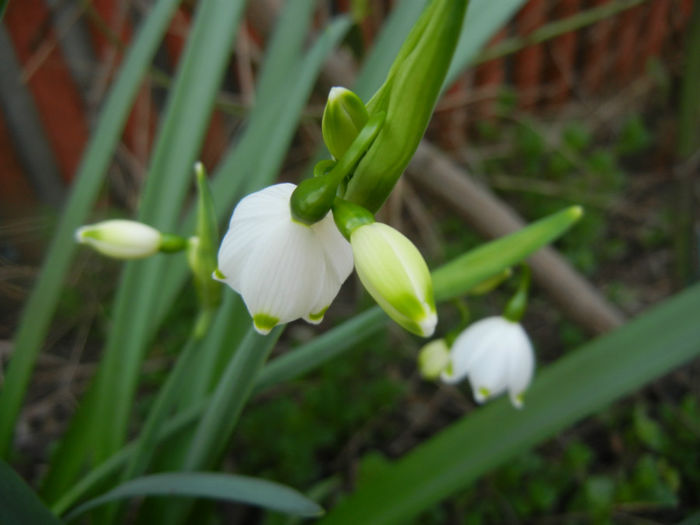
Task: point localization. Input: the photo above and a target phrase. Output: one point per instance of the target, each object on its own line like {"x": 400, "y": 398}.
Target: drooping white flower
{"x": 284, "y": 270}
{"x": 120, "y": 238}
{"x": 395, "y": 274}
{"x": 496, "y": 355}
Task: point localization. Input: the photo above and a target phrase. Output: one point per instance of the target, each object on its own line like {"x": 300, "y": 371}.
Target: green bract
{"x": 408, "y": 96}
{"x": 345, "y": 115}
{"x": 202, "y": 248}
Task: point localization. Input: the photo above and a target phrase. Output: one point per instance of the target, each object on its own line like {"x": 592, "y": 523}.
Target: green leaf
{"x": 570, "y": 389}
{"x": 211, "y": 485}
{"x": 19, "y": 503}
{"x": 226, "y": 404}
{"x": 93, "y": 167}
{"x": 476, "y": 266}
{"x": 393, "y": 34}
{"x": 483, "y": 19}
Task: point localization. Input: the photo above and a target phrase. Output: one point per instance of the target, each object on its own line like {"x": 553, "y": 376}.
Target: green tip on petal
{"x": 218, "y": 275}
{"x": 263, "y": 323}
{"x": 518, "y": 400}
{"x": 315, "y": 318}
{"x": 484, "y": 392}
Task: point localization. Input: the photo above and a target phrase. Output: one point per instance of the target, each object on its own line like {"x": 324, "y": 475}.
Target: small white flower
{"x": 283, "y": 269}
{"x": 496, "y": 355}
{"x": 394, "y": 273}
{"x": 121, "y": 239}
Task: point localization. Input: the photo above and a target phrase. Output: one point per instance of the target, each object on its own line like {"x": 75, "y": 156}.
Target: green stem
{"x": 555, "y": 29}
{"x": 313, "y": 198}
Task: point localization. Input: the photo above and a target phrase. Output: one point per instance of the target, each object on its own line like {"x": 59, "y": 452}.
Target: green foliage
{"x": 284, "y": 437}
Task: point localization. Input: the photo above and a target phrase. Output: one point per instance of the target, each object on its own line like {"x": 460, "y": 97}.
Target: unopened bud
{"x": 345, "y": 115}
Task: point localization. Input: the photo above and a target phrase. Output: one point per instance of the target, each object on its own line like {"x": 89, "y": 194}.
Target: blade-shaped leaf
{"x": 466, "y": 271}
{"x": 211, "y": 485}
{"x": 483, "y": 19}
{"x": 19, "y": 503}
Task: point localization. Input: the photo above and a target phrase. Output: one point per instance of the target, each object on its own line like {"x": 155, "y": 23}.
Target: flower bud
{"x": 345, "y": 115}
{"x": 433, "y": 359}
{"x": 121, "y": 239}
{"x": 390, "y": 267}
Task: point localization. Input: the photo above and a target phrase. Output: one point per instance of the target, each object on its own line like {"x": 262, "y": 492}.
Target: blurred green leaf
{"x": 212, "y": 485}
{"x": 19, "y": 504}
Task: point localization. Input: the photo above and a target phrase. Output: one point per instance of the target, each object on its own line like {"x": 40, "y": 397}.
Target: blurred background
{"x": 593, "y": 102}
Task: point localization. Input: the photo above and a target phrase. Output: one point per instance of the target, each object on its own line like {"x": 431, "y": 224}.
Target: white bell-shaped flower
{"x": 283, "y": 269}
{"x": 120, "y": 238}
{"x": 496, "y": 355}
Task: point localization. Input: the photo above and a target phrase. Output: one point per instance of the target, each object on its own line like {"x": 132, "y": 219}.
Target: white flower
{"x": 394, "y": 273}
{"x": 283, "y": 269}
{"x": 121, "y": 239}
{"x": 496, "y": 355}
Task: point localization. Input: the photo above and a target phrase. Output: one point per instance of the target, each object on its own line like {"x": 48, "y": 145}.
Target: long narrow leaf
{"x": 483, "y": 19}
{"x": 228, "y": 399}
{"x": 394, "y": 31}
{"x": 570, "y": 389}
{"x": 42, "y": 302}
{"x": 227, "y": 487}
{"x": 18, "y": 502}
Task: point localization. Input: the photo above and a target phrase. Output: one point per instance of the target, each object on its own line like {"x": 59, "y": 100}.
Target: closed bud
{"x": 120, "y": 239}
{"x": 394, "y": 273}
{"x": 433, "y": 359}
{"x": 345, "y": 115}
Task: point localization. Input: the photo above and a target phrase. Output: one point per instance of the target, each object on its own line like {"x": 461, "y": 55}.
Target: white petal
{"x": 280, "y": 279}
{"x": 473, "y": 344}
{"x": 521, "y": 365}
{"x": 338, "y": 265}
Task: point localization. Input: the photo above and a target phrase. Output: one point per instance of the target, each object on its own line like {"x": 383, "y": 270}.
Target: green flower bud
{"x": 433, "y": 359}
{"x": 123, "y": 239}
{"x": 345, "y": 115}
{"x": 408, "y": 96}
{"x": 390, "y": 267}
